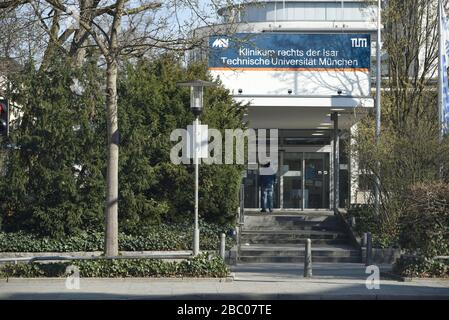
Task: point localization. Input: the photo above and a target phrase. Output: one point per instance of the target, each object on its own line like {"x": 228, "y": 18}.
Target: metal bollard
{"x": 369, "y": 249}
{"x": 308, "y": 259}
{"x": 223, "y": 246}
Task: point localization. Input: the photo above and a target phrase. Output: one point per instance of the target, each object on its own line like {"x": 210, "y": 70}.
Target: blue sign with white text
{"x": 289, "y": 51}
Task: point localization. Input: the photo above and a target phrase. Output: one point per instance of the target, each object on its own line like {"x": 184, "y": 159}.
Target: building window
{"x": 304, "y": 11}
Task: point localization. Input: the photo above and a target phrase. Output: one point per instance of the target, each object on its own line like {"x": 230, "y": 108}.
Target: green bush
{"x": 424, "y": 231}
{"x": 203, "y": 265}
{"x": 34, "y": 270}
{"x": 405, "y": 154}
{"x": 414, "y": 266}
{"x": 425, "y": 223}
{"x": 366, "y": 220}
{"x": 54, "y": 181}
{"x": 422, "y": 226}
{"x": 165, "y": 237}
{"x": 364, "y": 217}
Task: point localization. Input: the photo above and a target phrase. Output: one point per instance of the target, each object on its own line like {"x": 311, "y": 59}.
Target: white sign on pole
{"x": 198, "y": 136}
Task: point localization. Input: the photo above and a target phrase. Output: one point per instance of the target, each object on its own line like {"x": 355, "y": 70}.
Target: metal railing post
{"x": 242, "y": 204}
{"x": 369, "y": 248}
{"x": 308, "y": 259}
{"x": 241, "y": 218}
{"x": 223, "y": 246}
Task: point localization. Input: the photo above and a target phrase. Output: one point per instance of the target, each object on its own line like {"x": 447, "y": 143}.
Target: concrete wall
{"x": 382, "y": 256}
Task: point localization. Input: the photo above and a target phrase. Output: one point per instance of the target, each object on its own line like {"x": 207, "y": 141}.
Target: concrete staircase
{"x": 280, "y": 237}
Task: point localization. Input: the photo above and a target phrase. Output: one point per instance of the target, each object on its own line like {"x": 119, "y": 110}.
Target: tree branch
{"x": 110, "y": 9}
{"x": 86, "y": 26}
{"x": 148, "y": 6}
{"x": 11, "y": 3}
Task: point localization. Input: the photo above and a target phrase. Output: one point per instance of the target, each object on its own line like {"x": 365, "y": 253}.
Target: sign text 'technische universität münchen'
{"x": 290, "y": 51}
{"x": 311, "y": 54}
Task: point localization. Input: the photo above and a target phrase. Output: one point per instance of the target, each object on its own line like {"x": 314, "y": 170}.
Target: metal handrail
{"x": 240, "y": 218}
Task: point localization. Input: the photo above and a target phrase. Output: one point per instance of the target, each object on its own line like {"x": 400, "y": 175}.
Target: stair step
{"x": 281, "y": 236}
{"x": 299, "y": 250}
{"x": 312, "y": 214}
{"x": 298, "y": 228}
{"x": 279, "y": 232}
{"x": 288, "y": 220}
{"x": 298, "y": 253}
{"x": 298, "y": 259}
{"x": 294, "y": 241}
{"x": 296, "y": 223}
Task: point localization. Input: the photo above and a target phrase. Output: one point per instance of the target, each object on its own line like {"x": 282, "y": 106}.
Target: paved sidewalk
{"x": 261, "y": 281}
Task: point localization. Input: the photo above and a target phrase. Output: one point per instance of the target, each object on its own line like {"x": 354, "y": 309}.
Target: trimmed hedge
{"x": 203, "y": 265}
{"x": 164, "y": 237}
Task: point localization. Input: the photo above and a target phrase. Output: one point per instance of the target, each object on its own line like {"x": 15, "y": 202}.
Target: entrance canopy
{"x": 313, "y": 113}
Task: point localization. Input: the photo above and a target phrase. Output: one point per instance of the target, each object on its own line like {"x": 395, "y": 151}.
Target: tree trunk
{"x": 81, "y": 37}
{"x": 111, "y": 236}
{"x": 52, "y": 41}
{"x": 111, "y": 211}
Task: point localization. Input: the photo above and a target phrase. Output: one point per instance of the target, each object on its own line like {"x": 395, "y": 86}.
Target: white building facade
{"x": 305, "y": 68}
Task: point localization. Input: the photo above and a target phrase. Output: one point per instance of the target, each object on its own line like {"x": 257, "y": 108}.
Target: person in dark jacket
{"x": 267, "y": 182}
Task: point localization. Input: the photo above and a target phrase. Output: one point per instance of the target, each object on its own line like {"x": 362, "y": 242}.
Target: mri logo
{"x": 221, "y": 43}
{"x": 359, "y": 42}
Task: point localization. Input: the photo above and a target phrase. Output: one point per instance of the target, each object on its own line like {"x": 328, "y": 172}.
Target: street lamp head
{"x": 196, "y": 93}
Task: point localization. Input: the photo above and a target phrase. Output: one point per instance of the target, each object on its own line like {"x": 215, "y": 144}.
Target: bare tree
{"x": 411, "y": 41}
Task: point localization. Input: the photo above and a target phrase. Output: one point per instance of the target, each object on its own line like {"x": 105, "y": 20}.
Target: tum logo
{"x": 359, "y": 42}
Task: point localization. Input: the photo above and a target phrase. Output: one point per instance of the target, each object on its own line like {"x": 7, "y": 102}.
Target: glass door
{"x": 252, "y": 189}
{"x": 316, "y": 180}
{"x": 303, "y": 182}
{"x": 292, "y": 180}
{"x": 251, "y": 194}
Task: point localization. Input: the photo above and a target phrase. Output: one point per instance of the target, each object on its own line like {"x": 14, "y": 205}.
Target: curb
{"x": 393, "y": 276}
{"x": 167, "y": 279}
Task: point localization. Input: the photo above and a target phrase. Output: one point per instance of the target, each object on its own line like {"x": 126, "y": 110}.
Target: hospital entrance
{"x": 303, "y": 177}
